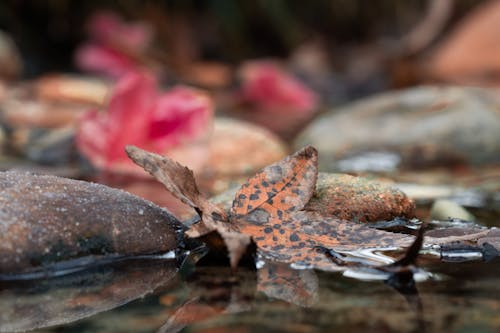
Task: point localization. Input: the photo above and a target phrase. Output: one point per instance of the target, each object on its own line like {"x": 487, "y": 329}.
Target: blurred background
{"x": 228, "y": 87}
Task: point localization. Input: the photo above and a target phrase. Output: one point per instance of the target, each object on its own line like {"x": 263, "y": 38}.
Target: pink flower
{"x": 115, "y": 47}
{"x": 174, "y": 123}
{"x": 270, "y": 88}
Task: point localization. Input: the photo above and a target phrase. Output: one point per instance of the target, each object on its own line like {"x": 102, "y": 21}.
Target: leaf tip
{"x": 309, "y": 152}
{"x": 132, "y": 151}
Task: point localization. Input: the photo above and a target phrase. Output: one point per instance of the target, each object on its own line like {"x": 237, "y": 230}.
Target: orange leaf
{"x": 267, "y": 209}
{"x": 280, "y": 188}
{"x": 296, "y": 239}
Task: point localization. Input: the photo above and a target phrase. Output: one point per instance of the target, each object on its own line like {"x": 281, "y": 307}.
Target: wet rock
{"x": 350, "y": 198}
{"x": 238, "y": 149}
{"x": 410, "y": 129}
{"x": 45, "y": 220}
{"x": 446, "y": 209}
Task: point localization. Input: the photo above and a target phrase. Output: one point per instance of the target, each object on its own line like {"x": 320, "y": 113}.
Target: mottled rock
{"x": 358, "y": 199}
{"x": 414, "y": 128}
{"x": 350, "y": 198}
{"x": 45, "y": 220}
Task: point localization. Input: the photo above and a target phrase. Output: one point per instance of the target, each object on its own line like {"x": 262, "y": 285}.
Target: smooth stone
{"x": 409, "y": 129}
{"x": 45, "y": 220}
{"x": 443, "y": 209}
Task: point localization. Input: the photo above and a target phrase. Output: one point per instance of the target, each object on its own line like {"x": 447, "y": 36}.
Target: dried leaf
{"x": 267, "y": 209}
{"x": 179, "y": 180}
{"x": 297, "y": 238}
{"x": 279, "y": 189}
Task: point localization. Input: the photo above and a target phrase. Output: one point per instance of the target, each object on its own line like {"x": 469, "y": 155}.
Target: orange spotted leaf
{"x": 280, "y": 188}
{"x": 296, "y": 238}
{"x": 268, "y": 210}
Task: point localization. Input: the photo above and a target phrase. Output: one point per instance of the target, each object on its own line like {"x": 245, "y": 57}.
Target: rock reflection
{"x": 29, "y": 305}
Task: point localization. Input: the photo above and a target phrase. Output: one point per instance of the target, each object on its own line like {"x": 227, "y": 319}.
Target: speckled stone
{"x": 47, "y": 219}
{"x": 358, "y": 199}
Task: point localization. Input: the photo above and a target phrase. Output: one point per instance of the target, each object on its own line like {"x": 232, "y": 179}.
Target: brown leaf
{"x": 280, "y": 188}
{"x": 179, "y": 180}
{"x": 165, "y": 171}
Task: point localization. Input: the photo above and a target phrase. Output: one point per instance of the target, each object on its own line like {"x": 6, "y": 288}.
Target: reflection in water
{"x": 28, "y": 305}
{"x": 213, "y": 299}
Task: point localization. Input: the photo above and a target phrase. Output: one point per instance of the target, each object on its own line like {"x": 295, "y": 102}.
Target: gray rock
{"x": 414, "y": 128}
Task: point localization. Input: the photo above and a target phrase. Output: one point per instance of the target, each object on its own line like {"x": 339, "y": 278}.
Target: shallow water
{"x": 460, "y": 297}
{"x": 458, "y": 294}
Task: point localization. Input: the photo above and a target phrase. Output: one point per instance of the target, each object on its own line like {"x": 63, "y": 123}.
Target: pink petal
{"x": 181, "y": 115}
{"x": 129, "y": 113}
{"x": 268, "y": 86}
{"x": 103, "y": 137}
{"x": 91, "y": 139}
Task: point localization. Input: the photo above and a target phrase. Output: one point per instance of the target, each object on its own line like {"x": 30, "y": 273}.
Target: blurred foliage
{"x": 47, "y": 32}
